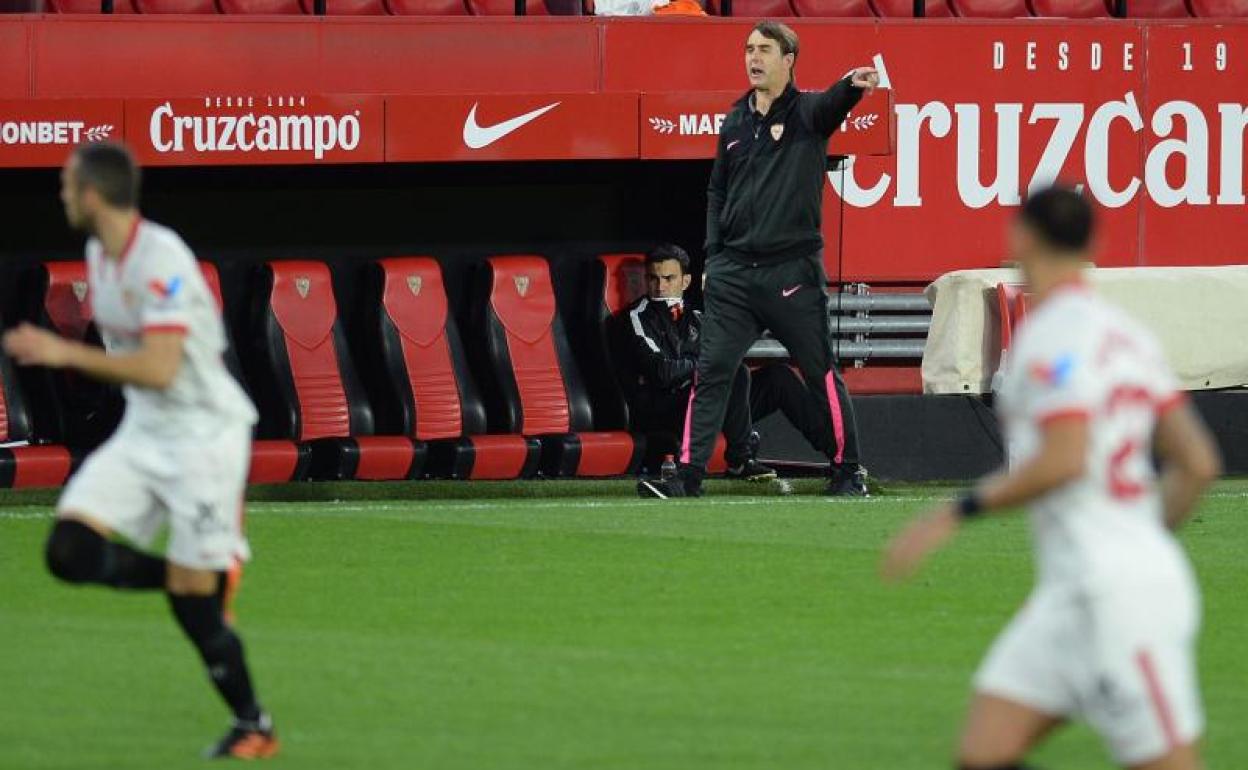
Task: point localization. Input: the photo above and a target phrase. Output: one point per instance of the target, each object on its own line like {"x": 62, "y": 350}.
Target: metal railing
{"x": 850, "y": 351}
{"x": 866, "y": 326}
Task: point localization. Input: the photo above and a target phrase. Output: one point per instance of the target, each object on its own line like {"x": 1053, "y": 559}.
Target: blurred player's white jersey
{"x": 158, "y": 285}
{"x": 1078, "y": 355}
{"x": 180, "y": 456}
{"x": 1109, "y": 633}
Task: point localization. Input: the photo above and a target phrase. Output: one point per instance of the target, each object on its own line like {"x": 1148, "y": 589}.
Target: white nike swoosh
{"x": 732, "y": 144}
{"x": 476, "y": 136}
{"x": 790, "y": 292}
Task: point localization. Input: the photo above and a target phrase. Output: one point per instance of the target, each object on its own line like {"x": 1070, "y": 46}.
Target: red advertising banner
{"x": 511, "y": 127}
{"x": 250, "y": 130}
{"x": 42, "y": 132}
{"x": 677, "y": 126}
{"x": 985, "y": 113}
{"x": 1148, "y": 116}
{"x": 1193, "y": 176}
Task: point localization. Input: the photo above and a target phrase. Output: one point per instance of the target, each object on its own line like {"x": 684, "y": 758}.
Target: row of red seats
{"x": 322, "y": 399}
{"x": 988, "y": 9}
{"x": 996, "y": 9}
{"x": 333, "y": 7}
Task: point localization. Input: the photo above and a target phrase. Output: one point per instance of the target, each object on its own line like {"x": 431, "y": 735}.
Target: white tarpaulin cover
{"x": 1200, "y": 314}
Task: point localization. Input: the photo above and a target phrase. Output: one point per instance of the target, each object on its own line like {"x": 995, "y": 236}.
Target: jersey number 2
{"x": 1121, "y": 485}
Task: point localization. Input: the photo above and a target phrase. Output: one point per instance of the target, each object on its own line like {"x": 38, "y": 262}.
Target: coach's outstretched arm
{"x": 1061, "y": 459}
{"x": 1190, "y": 461}
{"x": 833, "y": 105}
{"x": 153, "y": 365}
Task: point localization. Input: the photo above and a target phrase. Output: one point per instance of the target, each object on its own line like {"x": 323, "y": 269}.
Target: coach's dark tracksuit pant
{"x": 662, "y": 418}
{"x": 741, "y": 301}
{"x": 751, "y": 397}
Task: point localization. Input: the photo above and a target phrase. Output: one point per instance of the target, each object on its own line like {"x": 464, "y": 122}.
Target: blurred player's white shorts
{"x": 1120, "y": 658}
{"x": 136, "y": 484}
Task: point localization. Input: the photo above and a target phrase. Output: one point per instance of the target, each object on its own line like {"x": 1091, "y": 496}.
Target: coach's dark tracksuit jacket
{"x": 765, "y": 263}
{"x": 663, "y": 348}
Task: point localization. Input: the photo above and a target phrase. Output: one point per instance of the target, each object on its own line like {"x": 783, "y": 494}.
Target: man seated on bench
{"x": 660, "y": 349}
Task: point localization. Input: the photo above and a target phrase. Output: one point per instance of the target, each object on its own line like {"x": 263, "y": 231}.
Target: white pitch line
{"x": 330, "y": 508}
{"x": 418, "y": 505}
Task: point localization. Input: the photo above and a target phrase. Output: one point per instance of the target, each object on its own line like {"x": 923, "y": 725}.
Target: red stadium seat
{"x": 767, "y": 8}
{"x": 306, "y": 385}
{"x": 68, "y": 407}
{"x": 1220, "y": 9}
{"x": 991, "y": 9}
{"x": 427, "y": 7}
{"x": 533, "y": 7}
{"x": 257, "y": 7}
{"x": 87, "y": 6}
{"x": 938, "y": 9}
{"x": 622, "y": 278}
{"x": 347, "y": 7}
{"x": 420, "y": 380}
{"x": 1071, "y": 9}
{"x": 833, "y": 8}
{"x": 273, "y": 461}
{"x": 1158, "y": 9}
{"x": 615, "y": 282}
{"x": 31, "y": 465}
{"x": 537, "y": 387}
{"x": 1011, "y": 311}
{"x": 176, "y": 6}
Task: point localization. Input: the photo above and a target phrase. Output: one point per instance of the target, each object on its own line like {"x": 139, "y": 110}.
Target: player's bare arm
{"x": 1190, "y": 461}
{"x": 1061, "y": 459}
{"x": 154, "y": 365}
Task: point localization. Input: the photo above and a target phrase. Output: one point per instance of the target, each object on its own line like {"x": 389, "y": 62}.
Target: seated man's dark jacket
{"x": 660, "y": 350}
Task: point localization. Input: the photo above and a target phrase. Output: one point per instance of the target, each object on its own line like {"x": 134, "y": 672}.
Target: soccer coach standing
{"x": 765, "y": 252}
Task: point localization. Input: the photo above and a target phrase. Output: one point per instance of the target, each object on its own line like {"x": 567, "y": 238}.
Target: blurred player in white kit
{"x": 1108, "y": 634}
{"x": 181, "y": 454}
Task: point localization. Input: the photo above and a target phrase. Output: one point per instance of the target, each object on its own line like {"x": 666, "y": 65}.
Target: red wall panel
{"x": 709, "y": 55}
{"x": 408, "y": 55}
{"x": 164, "y": 57}
{"x": 14, "y": 61}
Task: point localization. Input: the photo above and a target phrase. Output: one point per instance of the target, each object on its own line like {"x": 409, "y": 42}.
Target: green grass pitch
{"x": 546, "y": 632}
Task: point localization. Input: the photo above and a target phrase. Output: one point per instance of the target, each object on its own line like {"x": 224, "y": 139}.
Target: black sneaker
{"x": 750, "y": 470}
{"x": 246, "y": 740}
{"x": 669, "y": 488}
{"x": 848, "y": 482}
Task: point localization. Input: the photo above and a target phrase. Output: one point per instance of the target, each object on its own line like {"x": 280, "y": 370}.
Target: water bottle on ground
{"x": 667, "y": 471}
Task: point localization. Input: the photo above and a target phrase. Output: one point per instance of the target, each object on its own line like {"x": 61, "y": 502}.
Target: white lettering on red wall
{"x": 1182, "y": 127}
{"x": 249, "y": 132}
{"x": 43, "y": 132}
